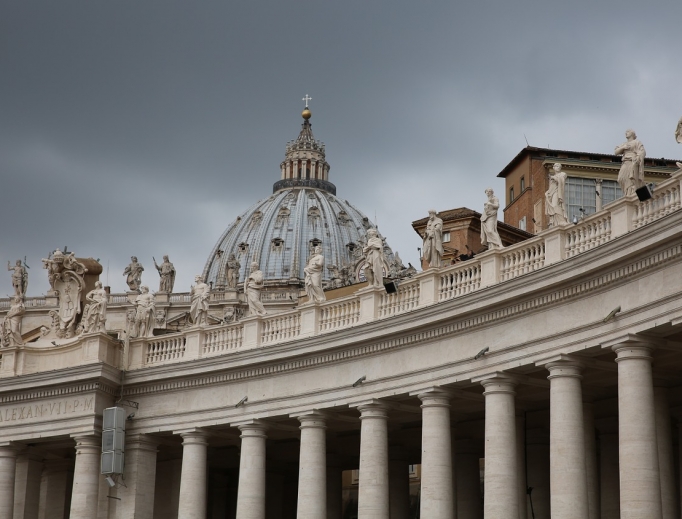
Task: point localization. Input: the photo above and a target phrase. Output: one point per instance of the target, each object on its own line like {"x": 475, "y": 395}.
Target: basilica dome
{"x": 280, "y": 232}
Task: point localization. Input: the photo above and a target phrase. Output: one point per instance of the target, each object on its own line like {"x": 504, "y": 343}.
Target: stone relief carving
{"x": 252, "y": 288}
{"x": 282, "y": 216}
{"x": 232, "y": 271}
{"x": 19, "y": 278}
{"x": 489, "y": 235}
{"x": 134, "y": 274}
{"x": 374, "y": 259}
{"x": 631, "y": 174}
{"x": 555, "y": 207}
{"x": 232, "y": 314}
{"x": 65, "y": 275}
{"x": 160, "y": 318}
{"x": 145, "y": 311}
{"x": 167, "y": 275}
{"x": 199, "y": 294}
{"x": 433, "y": 240}
{"x": 313, "y": 276}
{"x": 10, "y": 330}
{"x": 95, "y": 311}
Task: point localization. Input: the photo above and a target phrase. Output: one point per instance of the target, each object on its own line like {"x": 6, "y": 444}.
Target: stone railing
{"x": 29, "y": 302}
{"x": 434, "y": 286}
{"x": 118, "y": 299}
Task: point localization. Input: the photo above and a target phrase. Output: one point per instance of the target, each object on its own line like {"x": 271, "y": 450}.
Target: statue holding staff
{"x": 199, "y": 294}
{"x": 19, "y": 278}
{"x": 167, "y": 275}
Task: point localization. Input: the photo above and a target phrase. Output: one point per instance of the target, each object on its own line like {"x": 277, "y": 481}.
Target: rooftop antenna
{"x": 524, "y": 136}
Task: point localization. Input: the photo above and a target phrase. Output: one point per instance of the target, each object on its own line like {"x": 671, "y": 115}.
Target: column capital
{"x": 629, "y": 351}
{"x": 193, "y": 436}
{"x": 312, "y": 420}
{"x": 372, "y": 408}
{"x": 87, "y": 443}
{"x": 631, "y": 340}
{"x": 252, "y": 428}
{"x": 7, "y": 450}
{"x": 495, "y": 383}
{"x": 433, "y": 397}
{"x": 564, "y": 366}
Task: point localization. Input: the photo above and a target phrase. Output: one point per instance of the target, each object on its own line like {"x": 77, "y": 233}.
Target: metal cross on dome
{"x": 306, "y": 99}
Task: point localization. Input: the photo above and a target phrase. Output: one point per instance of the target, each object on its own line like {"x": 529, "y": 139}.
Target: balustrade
{"x": 339, "y": 314}
{"x": 588, "y": 234}
{"x": 161, "y": 350}
{"x": 462, "y": 279}
{"x": 281, "y": 327}
{"x": 404, "y": 300}
{"x": 222, "y": 340}
{"x": 664, "y": 201}
{"x": 522, "y": 259}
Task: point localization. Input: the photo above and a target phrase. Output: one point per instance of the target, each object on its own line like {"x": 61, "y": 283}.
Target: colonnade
{"x": 637, "y": 474}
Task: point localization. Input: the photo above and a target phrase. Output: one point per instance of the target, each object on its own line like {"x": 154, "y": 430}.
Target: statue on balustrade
{"x": 95, "y": 311}
{"x": 19, "y": 278}
{"x": 232, "y": 271}
{"x": 167, "y": 274}
{"x": 65, "y": 274}
{"x": 678, "y": 131}
{"x": 143, "y": 325}
{"x": 489, "y": 234}
{"x": 10, "y": 330}
{"x": 555, "y": 206}
{"x": 433, "y": 240}
{"x": 374, "y": 259}
{"x": 134, "y": 274}
{"x": 631, "y": 174}
{"x": 313, "y": 276}
{"x": 199, "y": 293}
{"x": 252, "y": 288}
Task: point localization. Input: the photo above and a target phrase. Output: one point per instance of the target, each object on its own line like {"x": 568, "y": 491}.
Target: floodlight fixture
{"x": 481, "y": 353}
{"x": 242, "y": 401}
{"x": 359, "y": 381}
{"x": 612, "y": 314}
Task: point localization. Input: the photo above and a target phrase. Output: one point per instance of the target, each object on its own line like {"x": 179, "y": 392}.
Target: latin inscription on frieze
{"x": 47, "y": 410}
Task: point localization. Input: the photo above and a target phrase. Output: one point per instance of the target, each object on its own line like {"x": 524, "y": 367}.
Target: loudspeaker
{"x": 391, "y": 287}
{"x": 644, "y": 193}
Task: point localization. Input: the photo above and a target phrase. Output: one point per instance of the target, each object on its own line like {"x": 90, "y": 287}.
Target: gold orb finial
{"x": 306, "y": 113}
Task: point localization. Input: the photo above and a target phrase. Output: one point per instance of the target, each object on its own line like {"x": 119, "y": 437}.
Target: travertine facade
{"x": 539, "y": 358}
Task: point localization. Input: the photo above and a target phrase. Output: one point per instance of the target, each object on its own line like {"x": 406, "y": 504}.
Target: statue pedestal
{"x": 132, "y": 296}
{"x": 161, "y": 297}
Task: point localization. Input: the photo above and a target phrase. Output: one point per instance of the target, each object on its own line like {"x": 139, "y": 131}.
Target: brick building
{"x": 590, "y": 184}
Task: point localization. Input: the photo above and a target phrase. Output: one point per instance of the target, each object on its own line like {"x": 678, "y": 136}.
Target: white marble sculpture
{"x": 433, "y": 240}
{"x": 555, "y": 206}
{"x": 95, "y": 311}
{"x": 19, "y": 278}
{"x": 10, "y": 330}
{"x": 167, "y": 275}
{"x": 374, "y": 259}
{"x": 199, "y": 293}
{"x": 631, "y": 174}
{"x": 489, "y": 234}
{"x": 143, "y": 323}
{"x": 232, "y": 271}
{"x": 65, "y": 274}
{"x": 133, "y": 273}
{"x": 678, "y": 131}
{"x": 252, "y": 288}
{"x": 313, "y": 276}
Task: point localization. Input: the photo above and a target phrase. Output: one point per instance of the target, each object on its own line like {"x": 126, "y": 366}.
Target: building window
{"x": 523, "y": 184}
{"x": 610, "y": 191}
{"x": 580, "y": 193}
{"x": 446, "y": 236}
{"x": 511, "y": 195}
{"x": 522, "y": 223}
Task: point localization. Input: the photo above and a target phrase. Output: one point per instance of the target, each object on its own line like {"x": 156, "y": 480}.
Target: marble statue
{"x": 65, "y": 274}
{"x": 678, "y": 131}
{"x": 232, "y": 271}
{"x": 19, "y": 278}
{"x": 11, "y": 326}
{"x": 631, "y": 174}
{"x": 134, "y": 274}
{"x": 489, "y": 235}
{"x": 313, "y": 276}
{"x": 252, "y": 287}
{"x": 145, "y": 312}
{"x": 167, "y": 274}
{"x": 199, "y": 293}
{"x": 95, "y": 311}
{"x": 433, "y": 240}
{"x": 555, "y": 207}
{"x": 374, "y": 259}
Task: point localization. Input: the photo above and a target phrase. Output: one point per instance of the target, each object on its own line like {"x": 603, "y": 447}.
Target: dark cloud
{"x": 146, "y": 127}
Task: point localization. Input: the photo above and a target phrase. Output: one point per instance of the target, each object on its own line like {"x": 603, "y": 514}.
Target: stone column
{"x": 591, "y": 467}
{"x": 436, "y": 498}
{"x": 53, "y": 488}
{"x": 192, "y": 501}
{"x": 664, "y": 443}
{"x": 251, "y": 492}
{"x": 86, "y": 474}
{"x": 312, "y": 475}
{"x": 137, "y": 497}
{"x": 501, "y": 484}
{"x": 608, "y": 473}
{"x": 568, "y": 475}
{"x": 640, "y": 487}
{"x": 8, "y": 463}
{"x": 398, "y": 482}
{"x": 468, "y": 476}
{"x": 27, "y": 485}
{"x": 373, "y": 501}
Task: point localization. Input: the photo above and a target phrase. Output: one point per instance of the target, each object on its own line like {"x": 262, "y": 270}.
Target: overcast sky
{"x": 145, "y": 127}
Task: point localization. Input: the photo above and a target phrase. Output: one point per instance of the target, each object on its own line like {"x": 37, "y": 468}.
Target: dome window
{"x": 256, "y": 218}
{"x": 282, "y": 216}
{"x": 343, "y": 217}
{"x": 277, "y": 244}
{"x": 243, "y": 248}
